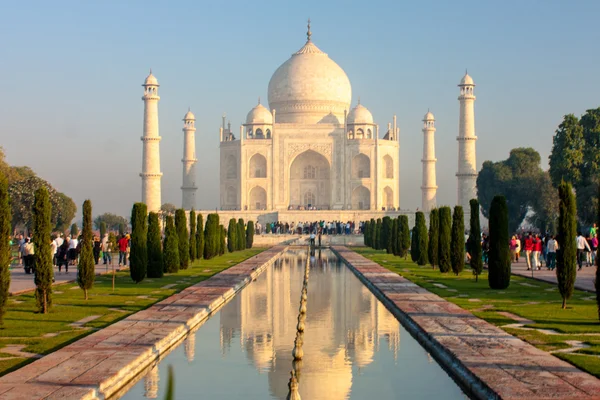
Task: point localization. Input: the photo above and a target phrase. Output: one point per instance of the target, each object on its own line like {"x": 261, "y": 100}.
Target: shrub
{"x": 232, "y": 232}
{"x": 566, "y": 256}
{"x": 5, "y": 225}
{"x": 192, "y": 241}
{"x": 499, "y": 253}
{"x": 250, "y": 235}
{"x": 422, "y": 239}
{"x": 457, "y": 241}
{"x": 241, "y": 235}
{"x": 377, "y": 238}
{"x": 405, "y": 235}
{"x": 445, "y": 217}
{"x": 200, "y": 237}
{"x": 474, "y": 242}
{"x": 434, "y": 236}
{"x": 86, "y": 270}
{"x": 386, "y": 235}
{"x": 138, "y": 258}
{"x": 171, "y": 247}
{"x": 155, "y": 254}
{"x": 182, "y": 238}
{"x": 42, "y": 228}
{"x": 395, "y": 236}
{"x": 211, "y": 236}
{"x": 102, "y": 229}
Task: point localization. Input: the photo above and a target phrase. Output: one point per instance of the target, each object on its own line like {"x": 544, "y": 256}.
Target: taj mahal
{"x": 309, "y": 149}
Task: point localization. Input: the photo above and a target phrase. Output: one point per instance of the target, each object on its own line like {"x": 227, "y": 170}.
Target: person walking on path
{"x": 73, "y": 243}
{"x": 551, "y": 248}
{"x": 582, "y": 244}
{"x": 537, "y": 251}
{"x": 97, "y": 249}
{"x": 105, "y": 245}
{"x": 594, "y": 248}
{"x": 62, "y": 256}
{"x": 28, "y": 256}
{"x": 518, "y": 251}
{"x": 528, "y": 250}
{"x": 123, "y": 250}
{"x": 513, "y": 247}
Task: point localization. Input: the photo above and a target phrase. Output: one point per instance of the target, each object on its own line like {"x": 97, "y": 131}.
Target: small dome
{"x": 466, "y": 80}
{"x": 429, "y": 116}
{"x": 150, "y": 80}
{"x": 189, "y": 115}
{"x": 360, "y": 115}
{"x": 259, "y": 115}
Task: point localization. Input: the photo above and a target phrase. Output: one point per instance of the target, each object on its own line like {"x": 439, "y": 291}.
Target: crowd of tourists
{"x": 307, "y": 228}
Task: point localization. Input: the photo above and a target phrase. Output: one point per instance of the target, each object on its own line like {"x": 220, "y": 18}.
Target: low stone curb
{"x": 487, "y": 362}
{"x": 100, "y": 364}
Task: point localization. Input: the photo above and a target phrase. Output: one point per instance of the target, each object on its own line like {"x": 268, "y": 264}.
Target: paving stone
{"x": 169, "y": 286}
{"x": 474, "y": 300}
{"x": 439, "y": 285}
{"x": 83, "y": 321}
{"x": 527, "y": 284}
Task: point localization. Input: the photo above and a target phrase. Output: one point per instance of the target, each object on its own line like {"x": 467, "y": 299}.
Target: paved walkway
{"x": 486, "y": 360}
{"x": 20, "y": 282}
{"x": 100, "y": 364}
{"x": 584, "y": 281}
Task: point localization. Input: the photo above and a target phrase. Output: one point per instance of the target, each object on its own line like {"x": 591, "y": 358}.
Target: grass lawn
{"x": 43, "y": 334}
{"x": 534, "y": 300}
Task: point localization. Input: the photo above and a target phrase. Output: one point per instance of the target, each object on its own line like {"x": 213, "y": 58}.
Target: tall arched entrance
{"x": 310, "y": 184}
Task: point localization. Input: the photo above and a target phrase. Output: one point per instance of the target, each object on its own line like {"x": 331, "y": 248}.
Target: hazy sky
{"x": 71, "y": 75}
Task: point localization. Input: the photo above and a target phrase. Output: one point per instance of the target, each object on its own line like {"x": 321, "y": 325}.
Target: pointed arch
{"x": 388, "y": 198}
{"x": 230, "y": 167}
{"x": 258, "y": 198}
{"x": 258, "y": 166}
{"x": 361, "y": 198}
{"x": 388, "y": 167}
{"x": 361, "y": 166}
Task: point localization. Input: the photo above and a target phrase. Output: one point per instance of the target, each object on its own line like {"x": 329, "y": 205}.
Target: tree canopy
{"x": 111, "y": 220}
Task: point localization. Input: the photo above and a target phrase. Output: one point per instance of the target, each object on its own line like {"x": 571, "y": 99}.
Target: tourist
{"x": 97, "y": 249}
{"x": 594, "y": 248}
{"x": 62, "y": 256}
{"x": 105, "y": 246}
{"x": 513, "y": 247}
{"x": 312, "y": 239}
{"x": 582, "y": 244}
{"x": 485, "y": 248}
{"x": 588, "y": 251}
{"x": 537, "y": 251}
{"x": 28, "y": 256}
{"x": 551, "y": 247}
{"x": 53, "y": 249}
{"x": 518, "y": 250}
{"x": 123, "y": 244}
{"x": 21, "y": 243}
{"x": 73, "y": 244}
{"x": 528, "y": 250}
{"x": 593, "y": 230}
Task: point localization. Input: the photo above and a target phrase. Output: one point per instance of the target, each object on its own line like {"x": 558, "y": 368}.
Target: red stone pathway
{"x": 481, "y": 355}
{"x": 98, "y": 365}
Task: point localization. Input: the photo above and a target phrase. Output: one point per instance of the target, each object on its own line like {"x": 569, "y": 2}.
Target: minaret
{"x": 467, "y": 163}
{"x": 151, "y": 174}
{"x": 429, "y": 187}
{"x": 188, "y": 188}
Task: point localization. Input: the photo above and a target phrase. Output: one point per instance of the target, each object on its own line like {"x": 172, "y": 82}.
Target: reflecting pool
{"x": 353, "y": 347}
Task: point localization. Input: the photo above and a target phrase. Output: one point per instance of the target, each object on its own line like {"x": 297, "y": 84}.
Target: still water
{"x": 353, "y": 347}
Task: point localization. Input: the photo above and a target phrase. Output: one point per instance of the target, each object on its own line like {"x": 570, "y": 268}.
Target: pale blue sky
{"x": 70, "y": 76}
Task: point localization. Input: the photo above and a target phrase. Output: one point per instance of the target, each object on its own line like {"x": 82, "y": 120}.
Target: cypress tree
{"x": 366, "y": 226}
{"x": 192, "y": 242}
{"x": 102, "y": 229}
{"x": 268, "y": 227}
{"x": 445, "y": 222}
{"x": 211, "y": 236}
{"x": 566, "y": 256}
{"x": 86, "y": 271}
{"x": 42, "y": 228}
{"x": 414, "y": 251}
{"x": 138, "y": 258}
{"x": 250, "y": 234}
{"x": 434, "y": 235}
{"x": 232, "y": 235}
{"x": 457, "y": 241}
{"x": 597, "y": 281}
{"x": 183, "y": 238}
{"x": 221, "y": 242}
{"x": 386, "y": 235}
{"x": 399, "y": 236}
{"x": 377, "y": 238}
{"x": 395, "y": 236}
{"x": 121, "y": 229}
{"x": 74, "y": 230}
{"x": 499, "y": 253}
{"x": 474, "y": 242}
{"x": 241, "y": 237}
{"x": 372, "y": 232}
{"x": 155, "y": 254}
{"x": 171, "y": 247}
{"x": 5, "y": 225}
{"x": 200, "y": 237}
{"x": 405, "y": 233}
{"x": 423, "y": 240}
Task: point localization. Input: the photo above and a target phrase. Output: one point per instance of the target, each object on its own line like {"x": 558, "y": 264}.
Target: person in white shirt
{"x": 582, "y": 244}
{"x": 551, "y": 248}
{"x": 73, "y": 250}
{"x": 53, "y": 249}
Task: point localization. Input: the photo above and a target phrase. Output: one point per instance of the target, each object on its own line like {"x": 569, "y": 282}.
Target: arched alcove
{"x": 310, "y": 172}
{"x": 258, "y": 198}
{"x": 388, "y": 198}
{"x": 258, "y": 166}
{"x": 230, "y": 167}
{"x": 388, "y": 167}
{"x": 361, "y": 198}
{"x": 361, "y": 166}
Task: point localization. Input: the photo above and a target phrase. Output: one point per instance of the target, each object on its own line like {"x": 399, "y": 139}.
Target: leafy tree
{"x": 182, "y": 238}
{"x": 241, "y": 236}
{"x": 74, "y": 231}
{"x": 171, "y": 246}
{"x": 566, "y": 158}
{"x": 192, "y": 243}
{"x": 545, "y": 205}
{"x": 566, "y": 255}
{"x": 445, "y": 217}
{"x": 499, "y": 253}
{"x": 200, "y": 236}
{"x": 155, "y": 253}
{"x": 385, "y": 241}
{"x": 405, "y": 235}
{"x": 42, "y": 228}
{"x": 5, "y": 222}
{"x": 86, "y": 270}
{"x": 166, "y": 210}
{"x": 474, "y": 241}
{"x": 111, "y": 221}
{"x": 250, "y": 234}
{"x": 102, "y": 229}
{"x": 457, "y": 241}
{"x": 377, "y": 237}
{"x": 122, "y": 229}
{"x": 211, "y": 236}
{"x": 422, "y": 239}
{"x": 138, "y": 258}
{"x": 232, "y": 232}
{"x": 434, "y": 235}
{"x": 395, "y": 236}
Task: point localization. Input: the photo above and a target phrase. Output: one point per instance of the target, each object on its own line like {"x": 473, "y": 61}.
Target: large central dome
{"x": 309, "y": 87}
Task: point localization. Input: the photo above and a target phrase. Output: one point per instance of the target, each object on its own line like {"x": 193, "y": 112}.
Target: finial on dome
{"x": 308, "y": 33}
{"x": 150, "y": 71}
{"x": 259, "y": 100}
{"x": 189, "y": 108}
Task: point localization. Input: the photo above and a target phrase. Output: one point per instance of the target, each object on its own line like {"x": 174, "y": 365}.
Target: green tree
{"x": 170, "y": 246}
{"x": 597, "y": 280}
{"x": 366, "y": 233}
{"x": 221, "y": 238}
{"x": 111, "y": 221}
{"x": 232, "y": 232}
{"x": 122, "y": 229}
{"x": 102, "y": 229}
{"x": 457, "y": 241}
{"x": 241, "y": 235}
{"x": 385, "y": 242}
{"x": 395, "y": 236}
{"x": 138, "y": 258}
{"x": 545, "y": 205}
{"x": 405, "y": 235}
{"x": 499, "y": 253}
{"x": 86, "y": 270}
{"x": 155, "y": 254}
{"x": 211, "y": 236}
{"x": 166, "y": 210}
{"x": 566, "y": 255}
{"x": 192, "y": 243}
{"x": 74, "y": 230}
{"x": 474, "y": 241}
{"x": 422, "y": 239}
{"x": 434, "y": 235}
{"x": 566, "y": 158}
{"x": 250, "y": 234}
{"x": 377, "y": 237}
{"x": 414, "y": 244}
{"x": 200, "y": 236}
{"x": 5, "y": 222}
{"x": 182, "y": 238}
{"x": 445, "y": 217}
{"x": 42, "y": 228}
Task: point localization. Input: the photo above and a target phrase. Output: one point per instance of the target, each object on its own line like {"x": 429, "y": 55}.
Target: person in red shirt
{"x": 123, "y": 242}
{"x": 528, "y": 250}
{"x": 537, "y": 251}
